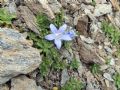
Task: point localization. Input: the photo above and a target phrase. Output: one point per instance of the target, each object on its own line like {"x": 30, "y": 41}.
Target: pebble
{"x": 102, "y": 9}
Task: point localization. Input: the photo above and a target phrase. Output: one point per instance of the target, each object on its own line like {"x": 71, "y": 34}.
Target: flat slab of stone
{"x": 17, "y": 56}
{"x": 23, "y": 83}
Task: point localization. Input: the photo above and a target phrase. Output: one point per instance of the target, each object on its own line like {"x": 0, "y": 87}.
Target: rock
{"x": 29, "y": 18}
{"x": 39, "y": 88}
{"x": 104, "y": 67}
{"x": 17, "y": 56}
{"x": 102, "y": 9}
{"x": 108, "y": 76}
{"x": 12, "y": 7}
{"x": 4, "y": 87}
{"x": 88, "y": 53}
{"x": 23, "y": 83}
{"x": 92, "y": 83}
{"x": 65, "y": 77}
{"x": 88, "y": 1}
{"x": 71, "y": 5}
{"x": 87, "y": 40}
{"x": 90, "y": 15}
{"x": 33, "y": 74}
{"x": 47, "y": 9}
{"x": 112, "y": 61}
{"x": 82, "y": 25}
{"x": 108, "y": 49}
{"x": 68, "y": 19}
{"x": 55, "y": 6}
{"x": 117, "y": 19}
{"x": 100, "y": 1}
{"x": 81, "y": 68}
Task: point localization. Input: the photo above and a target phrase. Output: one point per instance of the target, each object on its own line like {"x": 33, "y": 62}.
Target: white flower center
{"x": 58, "y": 35}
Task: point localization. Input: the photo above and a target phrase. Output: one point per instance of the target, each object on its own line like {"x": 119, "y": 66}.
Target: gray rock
{"x": 72, "y": 5}
{"x": 39, "y": 88}
{"x": 100, "y": 1}
{"x": 47, "y": 9}
{"x": 65, "y": 77}
{"x": 12, "y": 7}
{"x": 17, "y": 56}
{"x": 117, "y": 19}
{"x": 108, "y": 76}
{"x": 88, "y": 1}
{"x": 55, "y": 6}
{"x": 4, "y": 87}
{"x": 102, "y": 9}
{"x": 23, "y": 83}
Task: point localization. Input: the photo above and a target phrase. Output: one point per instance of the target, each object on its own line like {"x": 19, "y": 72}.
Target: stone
{"x": 88, "y": 53}
{"x": 47, "y": 9}
{"x": 88, "y": 1}
{"x": 82, "y": 25}
{"x": 108, "y": 76}
{"x": 65, "y": 77}
{"x": 102, "y": 9}
{"x": 117, "y": 19}
{"x": 71, "y": 5}
{"x": 4, "y": 87}
{"x": 12, "y": 7}
{"x": 23, "y": 83}
{"x": 100, "y": 1}
{"x": 87, "y": 40}
{"x": 55, "y": 6}
{"x": 39, "y": 88}
{"x": 29, "y": 19}
{"x": 17, "y": 56}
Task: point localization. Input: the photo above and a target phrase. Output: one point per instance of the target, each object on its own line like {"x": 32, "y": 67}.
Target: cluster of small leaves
{"x": 95, "y": 69}
{"x": 51, "y": 56}
{"x": 74, "y": 64}
{"x": 58, "y": 21}
{"x": 73, "y": 84}
{"x": 111, "y": 32}
{"x": 6, "y": 17}
{"x": 116, "y": 78}
{"x": 93, "y": 2}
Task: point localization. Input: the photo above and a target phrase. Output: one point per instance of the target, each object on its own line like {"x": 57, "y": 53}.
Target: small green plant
{"x": 93, "y": 2}
{"x": 111, "y": 32}
{"x": 116, "y": 78}
{"x": 51, "y": 56}
{"x": 58, "y": 21}
{"x": 74, "y": 64}
{"x": 95, "y": 68}
{"x": 73, "y": 84}
{"x": 6, "y": 17}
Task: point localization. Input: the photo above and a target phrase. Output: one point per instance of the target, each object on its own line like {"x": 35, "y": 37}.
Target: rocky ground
{"x": 96, "y": 48}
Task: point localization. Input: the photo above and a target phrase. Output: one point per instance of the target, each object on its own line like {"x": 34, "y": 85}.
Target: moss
{"x": 5, "y": 17}
{"x": 95, "y": 69}
{"x": 111, "y": 32}
{"x": 73, "y": 84}
{"x": 116, "y": 78}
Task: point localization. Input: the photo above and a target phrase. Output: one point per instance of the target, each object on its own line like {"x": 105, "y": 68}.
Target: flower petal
{"x": 66, "y": 37}
{"x": 50, "y": 37}
{"x": 72, "y": 33}
{"x": 63, "y": 28}
{"x": 58, "y": 43}
{"x": 53, "y": 28}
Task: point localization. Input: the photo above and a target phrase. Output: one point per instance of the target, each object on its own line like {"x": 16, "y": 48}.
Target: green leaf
{"x": 5, "y": 16}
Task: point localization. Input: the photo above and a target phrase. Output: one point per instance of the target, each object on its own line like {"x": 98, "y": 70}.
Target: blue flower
{"x": 58, "y": 35}
{"x": 72, "y": 33}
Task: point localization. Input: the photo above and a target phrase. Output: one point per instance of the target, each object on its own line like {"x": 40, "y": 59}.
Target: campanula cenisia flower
{"x": 58, "y": 35}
